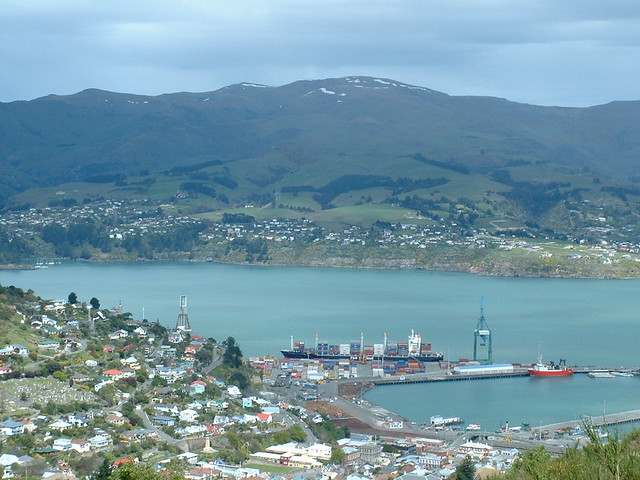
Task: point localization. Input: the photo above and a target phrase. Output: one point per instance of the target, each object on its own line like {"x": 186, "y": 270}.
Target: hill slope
{"x": 315, "y": 145}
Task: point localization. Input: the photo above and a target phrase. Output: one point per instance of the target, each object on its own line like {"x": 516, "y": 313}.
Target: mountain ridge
{"x": 245, "y": 142}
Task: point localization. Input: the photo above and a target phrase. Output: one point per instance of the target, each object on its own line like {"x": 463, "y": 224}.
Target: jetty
{"x": 597, "y": 421}
{"x": 443, "y": 377}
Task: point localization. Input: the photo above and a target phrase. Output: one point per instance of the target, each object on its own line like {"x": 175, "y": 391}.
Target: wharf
{"x": 444, "y": 377}
{"x": 598, "y": 421}
{"x": 440, "y": 376}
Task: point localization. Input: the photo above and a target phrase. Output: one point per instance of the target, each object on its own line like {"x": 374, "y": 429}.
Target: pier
{"x": 448, "y": 375}
{"x": 444, "y": 377}
{"x": 598, "y": 421}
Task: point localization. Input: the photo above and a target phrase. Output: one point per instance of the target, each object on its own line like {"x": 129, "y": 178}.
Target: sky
{"x": 546, "y": 52}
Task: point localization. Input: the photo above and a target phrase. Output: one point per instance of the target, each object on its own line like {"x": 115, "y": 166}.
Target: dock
{"x": 444, "y": 377}
{"x": 598, "y": 421}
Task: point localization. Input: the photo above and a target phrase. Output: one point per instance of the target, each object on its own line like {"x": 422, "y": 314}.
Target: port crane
{"x": 482, "y": 339}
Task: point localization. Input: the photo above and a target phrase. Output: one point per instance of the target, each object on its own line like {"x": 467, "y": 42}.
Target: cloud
{"x": 548, "y": 52}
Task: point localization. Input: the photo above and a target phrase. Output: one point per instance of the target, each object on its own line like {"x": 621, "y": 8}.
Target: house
{"x": 233, "y": 391}
{"x": 131, "y": 362}
{"x": 141, "y": 332}
{"x": 221, "y": 420}
{"x": 172, "y": 410}
{"x": 29, "y": 426}
{"x": 163, "y": 421}
{"x": 100, "y": 441}
{"x": 108, "y": 348}
{"x": 60, "y": 425}
{"x": 217, "y": 406}
{"x": 18, "y": 349}
{"x": 370, "y": 453}
{"x": 78, "y": 420}
{"x": 115, "y": 418}
{"x": 197, "y": 387}
{"x": 176, "y": 337}
{"x": 171, "y": 374}
{"x": 80, "y": 378}
{"x": 49, "y": 345}
{"x": 188, "y": 415}
{"x": 49, "y": 321}
{"x": 114, "y": 374}
{"x": 475, "y": 450}
{"x": 11, "y": 427}
{"x": 319, "y": 451}
{"x": 5, "y": 371}
{"x": 264, "y": 418}
{"x": 62, "y": 444}
{"x": 80, "y": 445}
{"x": 6, "y": 460}
{"x": 118, "y": 334}
{"x": 351, "y": 454}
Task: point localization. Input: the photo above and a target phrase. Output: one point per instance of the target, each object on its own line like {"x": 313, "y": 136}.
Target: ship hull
{"x": 550, "y": 373}
{"x": 434, "y": 357}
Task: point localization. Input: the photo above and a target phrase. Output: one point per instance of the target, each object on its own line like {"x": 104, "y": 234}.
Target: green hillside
{"x": 324, "y": 150}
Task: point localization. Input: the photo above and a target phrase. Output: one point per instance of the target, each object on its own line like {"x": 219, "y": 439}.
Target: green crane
{"x": 482, "y": 339}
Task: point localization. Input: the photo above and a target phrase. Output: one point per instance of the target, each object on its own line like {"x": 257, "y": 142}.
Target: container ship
{"x": 413, "y": 349}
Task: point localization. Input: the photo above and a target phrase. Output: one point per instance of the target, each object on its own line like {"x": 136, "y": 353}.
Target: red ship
{"x": 550, "y": 369}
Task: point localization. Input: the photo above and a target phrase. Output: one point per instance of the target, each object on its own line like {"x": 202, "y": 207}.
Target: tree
{"x": 232, "y": 355}
{"x": 298, "y": 434}
{"x": 337, "y": 456}
{"x": 73, "y": 298}
{"x": 104, "y": 472}
{"x": 95, "y": 303}
{"x": 466, "y": 470}
{"x": 141, "y": 471}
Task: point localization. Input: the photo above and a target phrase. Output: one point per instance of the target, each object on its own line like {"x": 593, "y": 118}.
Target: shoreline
{"x": 438, "y": 268}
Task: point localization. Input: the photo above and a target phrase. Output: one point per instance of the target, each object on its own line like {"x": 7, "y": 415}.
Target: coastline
{"x": 16, "y": 266}
{"x": 500, "y": 270}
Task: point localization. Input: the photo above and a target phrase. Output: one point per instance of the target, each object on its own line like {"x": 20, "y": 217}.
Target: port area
{"x": 336, "y": 391}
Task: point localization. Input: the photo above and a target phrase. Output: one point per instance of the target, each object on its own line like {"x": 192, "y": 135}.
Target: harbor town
{"x": 81, "y": 385}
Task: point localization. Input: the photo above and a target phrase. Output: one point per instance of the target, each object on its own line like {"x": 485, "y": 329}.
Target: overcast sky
{"x": 544, "y": 52}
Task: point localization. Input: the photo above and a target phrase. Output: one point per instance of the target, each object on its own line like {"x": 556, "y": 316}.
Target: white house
{"x": 62, "y": 444}
{"x": 475, "y": 450}
{"x": 100, "y": 441}
{"x": 19, "y": 349}
{"x": 80, "y": 445}
{"x": 11, "y": 427}
{"x": 233, "y": 391}
{"x": 319, "y": 451}
{"x": 188, "y": 415}
{"x": 60, "y": 425}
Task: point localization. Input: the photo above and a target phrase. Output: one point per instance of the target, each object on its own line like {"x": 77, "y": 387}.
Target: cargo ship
{"x": 550, "y": 369}
{"x": 413, "y": 349}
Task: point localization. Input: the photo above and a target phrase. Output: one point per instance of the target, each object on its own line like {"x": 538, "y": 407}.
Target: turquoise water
{"x": 537, "y": 401}
{"x": 588, "y": 322}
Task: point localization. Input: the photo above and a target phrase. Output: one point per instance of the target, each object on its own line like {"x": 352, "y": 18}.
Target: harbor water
{"x": 586, "y": 322}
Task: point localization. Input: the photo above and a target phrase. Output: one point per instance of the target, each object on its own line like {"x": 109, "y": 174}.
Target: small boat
{"x": 473, "y": 427}
{"x": 550, "y": 369}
